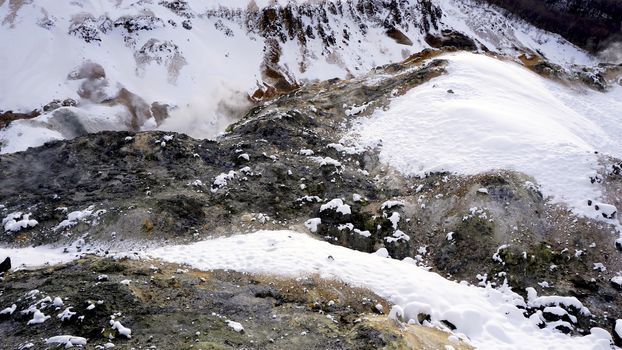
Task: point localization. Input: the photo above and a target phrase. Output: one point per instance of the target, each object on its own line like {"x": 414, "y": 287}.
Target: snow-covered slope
{"x": 201, "y": 59}
{"x": 488, "y": 114}
{"x": 487, "y": 318}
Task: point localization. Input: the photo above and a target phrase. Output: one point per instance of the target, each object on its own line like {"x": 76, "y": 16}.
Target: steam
{"x": 612, "y": 54}
{"x": 205, "y": 113}
{"x": 209, "y": 112}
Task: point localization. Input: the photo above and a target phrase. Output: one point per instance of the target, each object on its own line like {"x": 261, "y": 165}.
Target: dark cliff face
{"x": 590, "y": 24}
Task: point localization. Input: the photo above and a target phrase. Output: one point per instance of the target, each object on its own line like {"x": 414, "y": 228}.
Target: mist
{"x": 612, "y": 54}
{"x": 208, "y": 113}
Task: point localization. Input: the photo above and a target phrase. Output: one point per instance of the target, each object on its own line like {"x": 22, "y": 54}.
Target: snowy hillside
{"x": 485, "y": 318}
{"x": 306, "y": 174}
{"x": 487, "y": 114}
{"x": 130, "y": 64}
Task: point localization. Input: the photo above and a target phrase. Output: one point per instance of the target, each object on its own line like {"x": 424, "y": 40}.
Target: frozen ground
{"x": 490, "y": 114}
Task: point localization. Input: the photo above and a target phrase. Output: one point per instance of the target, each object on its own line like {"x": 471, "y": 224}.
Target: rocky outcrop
{"x": 9, "y": 116}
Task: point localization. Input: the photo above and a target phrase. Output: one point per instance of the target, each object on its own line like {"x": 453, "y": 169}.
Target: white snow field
{"x": 33, "y": 257}
{"x": 488, "y": 318}
{"x": 205, "y": 71}
{"x": 501, "y": 116}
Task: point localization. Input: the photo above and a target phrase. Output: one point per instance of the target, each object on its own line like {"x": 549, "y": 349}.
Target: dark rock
{"x": 582, "y": 283}
{"x": 5, "y": 265}
{"x": 450, "y": 38}
{"x": 564, "y": 329}
{"x": 9, "y": 116}
{"x": 399, "y": 37}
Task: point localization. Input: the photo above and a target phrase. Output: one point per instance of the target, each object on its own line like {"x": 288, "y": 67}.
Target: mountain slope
{"x": 592, "y": 24}
{"x": 130, "y": 64}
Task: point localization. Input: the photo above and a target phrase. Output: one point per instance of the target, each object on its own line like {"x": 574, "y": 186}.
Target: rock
{"x": 5, "y": 265}
{"x": 563, "y": 328}
{"x": 450, "y": 38}
{"x": 9, "y": 116}
{"x": 399, "y": 37}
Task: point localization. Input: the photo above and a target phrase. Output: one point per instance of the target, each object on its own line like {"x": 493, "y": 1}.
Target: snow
{"x": 533, "y": 300}
{"x": 124, "y": 331}
{"x": 221, "y": 180}
{"x": 38, "y": 317}
{"x": 67, "y": 340}
{"x": 397, "y": 236}
{"x": 390, "y": 204}
{"x": 618, "y": 328}
{"x": 327, "y": 161}
{"x": 309, "y": 199}
{"x": 66, "y": 314}
{"x": 57, "y": 302}
{"x": 382, "y": 252}
{"x": 341, "y": 148}
{"x": 76, "y": 216}
{"x": 395, "y": 219}
{"x": 354, "y": 110}
{"x": 197, "y": 183}
{"x": 17, "y": 221}
{"x": 599, "y": 267}
{"x": 490, "y": 318}
{"x": 337, "y": 205}
{"x": 312, "y": 224}
{"x": 217, "y": 68}
{"x": 608, "y": 211}
{"x": 236, "y": 326}
{"x": 511, "y": 37}
{"x": 365, "y": 233}
{"x": 9, "y": 310}
{"x": 347, "y": 226}
{"x": 501, "y": 116}
{"x": 38, "y": 256}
